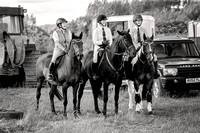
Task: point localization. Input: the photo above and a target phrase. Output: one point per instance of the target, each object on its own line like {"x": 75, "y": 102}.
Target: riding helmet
{"x": 101, "y": 17}
{"x": 60, "y": 21}
{"x": 137, "y": 17}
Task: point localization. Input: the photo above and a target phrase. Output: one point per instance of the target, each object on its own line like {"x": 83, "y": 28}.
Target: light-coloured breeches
{"x": 95, "y": 55}
{"x": 56, "y": 53}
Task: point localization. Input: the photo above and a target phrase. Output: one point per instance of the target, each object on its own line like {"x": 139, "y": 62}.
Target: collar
{"x": 99, "y": 25}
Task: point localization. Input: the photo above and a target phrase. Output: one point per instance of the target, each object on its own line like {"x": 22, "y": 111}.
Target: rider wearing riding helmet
{"x": 62, "y": 37}
{"x": 101, "y": 38}
{"x": 137, "y": 35}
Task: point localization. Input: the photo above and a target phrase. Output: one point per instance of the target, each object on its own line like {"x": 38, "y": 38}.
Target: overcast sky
{"x": 47, "y": 11}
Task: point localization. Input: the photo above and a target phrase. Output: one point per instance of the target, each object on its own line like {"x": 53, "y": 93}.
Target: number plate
{"x": 193, "y": 80}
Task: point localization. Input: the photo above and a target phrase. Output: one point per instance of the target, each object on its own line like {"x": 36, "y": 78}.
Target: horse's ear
{"x": 73, "y": 36}
{"x": 144, "y": 37}
{"x": 81, "y": 35}
{"x": 119, "y": 32}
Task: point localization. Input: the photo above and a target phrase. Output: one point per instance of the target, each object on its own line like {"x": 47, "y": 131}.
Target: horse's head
{"x": 147, "y": 48}
{"x": 126, "y": 45}
{"x": 77, "y": 45}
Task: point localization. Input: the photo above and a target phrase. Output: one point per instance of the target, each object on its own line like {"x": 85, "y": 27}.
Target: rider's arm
{"x": 56, "y": 40}
{"x": 95, "y": 38}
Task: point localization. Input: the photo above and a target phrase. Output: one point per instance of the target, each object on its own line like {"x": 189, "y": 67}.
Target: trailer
{"x": 194, "y": 32}
{"x": 125, "y": 22}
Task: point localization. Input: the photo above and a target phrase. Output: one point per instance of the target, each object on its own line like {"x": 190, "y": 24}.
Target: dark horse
{"x": 68, "y": 73}
{"x": 142, "y": 73}
{"x": 110, "y": 70}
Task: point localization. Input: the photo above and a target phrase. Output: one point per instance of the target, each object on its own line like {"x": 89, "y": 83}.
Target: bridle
{"x": 125, "y": 55}
{"x": 78, "y": 52}
{"x": 146, "y": 53}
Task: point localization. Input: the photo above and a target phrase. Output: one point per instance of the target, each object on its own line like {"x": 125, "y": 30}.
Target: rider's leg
{"x": 56, "y": 53}
{"x": 95, "y": 70}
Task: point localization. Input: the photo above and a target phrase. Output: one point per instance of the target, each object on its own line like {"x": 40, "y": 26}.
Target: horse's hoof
{"x": 98, "y": 112}
{"x": 79, "y": 112}
{"x": 138, "y": 112}
{"x": 65, "y": 114}
{"x": 150, "y": 113}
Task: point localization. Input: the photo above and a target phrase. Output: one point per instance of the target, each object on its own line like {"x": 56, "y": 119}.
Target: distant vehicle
{"x": 13, "y": 46}
{"x": 178, "y": 63}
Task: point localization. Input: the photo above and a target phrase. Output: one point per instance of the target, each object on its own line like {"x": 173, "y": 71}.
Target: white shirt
{"x": 98, "y": 35}
{"x": 133, "y": 34}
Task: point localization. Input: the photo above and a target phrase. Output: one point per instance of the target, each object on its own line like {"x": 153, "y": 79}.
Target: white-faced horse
{"x": 142, "y": 74}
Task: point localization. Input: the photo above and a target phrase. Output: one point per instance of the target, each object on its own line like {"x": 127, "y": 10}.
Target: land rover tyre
{"x": 158, "y": 89}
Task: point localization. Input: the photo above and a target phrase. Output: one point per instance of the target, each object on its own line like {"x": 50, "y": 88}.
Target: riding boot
{"x": 51, "y": 69}
{"x": 156, "y": 74}
{"x": 95, "y": 71}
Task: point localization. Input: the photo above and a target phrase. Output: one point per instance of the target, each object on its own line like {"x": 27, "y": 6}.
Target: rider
{"x": 101, "y": 38}
{"x": 62, "y": 37}
{"x": 137, "y": 35}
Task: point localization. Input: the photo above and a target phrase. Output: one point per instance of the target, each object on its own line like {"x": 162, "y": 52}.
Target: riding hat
{"x": 60, "y": 21}
{"x": 137, "y": 17}
{"x": 101, "y": 17}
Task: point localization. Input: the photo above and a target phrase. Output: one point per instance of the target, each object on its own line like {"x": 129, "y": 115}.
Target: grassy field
{"x": 170, "y": 115}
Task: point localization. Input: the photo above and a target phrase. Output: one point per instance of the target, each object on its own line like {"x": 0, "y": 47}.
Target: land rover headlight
{"x": 170, "y": 71}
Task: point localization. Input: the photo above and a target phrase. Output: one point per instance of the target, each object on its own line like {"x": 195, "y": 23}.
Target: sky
{"x": 48, "y": 11}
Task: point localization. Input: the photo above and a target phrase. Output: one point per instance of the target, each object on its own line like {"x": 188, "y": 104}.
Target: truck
{"x": 13, "y": 47}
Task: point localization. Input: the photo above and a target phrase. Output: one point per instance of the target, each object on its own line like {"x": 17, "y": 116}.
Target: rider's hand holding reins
{"x": 66, "y": 50}
{"x": 105, "y": 43}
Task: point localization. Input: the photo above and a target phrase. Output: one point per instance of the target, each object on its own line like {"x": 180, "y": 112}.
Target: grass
{"x": 170, "y": 115}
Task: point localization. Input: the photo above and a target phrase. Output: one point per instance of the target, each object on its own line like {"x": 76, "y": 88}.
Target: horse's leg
{"x": 65, "y": 102}
{"x": 75, "y": 89}
{"x": 38, "y": 92}
{"x": 130, "y": 93}
{"x": 51, "y": 95}
{"x": 141, "y": 102}
{"x": 137, "y": 96}
{"x": 96, "y": 86}
{"x": 149, "y": 96}
{"x": 80, "y": 94}
{"x": 105, "y": 98}
{"x": 116, "y": 97}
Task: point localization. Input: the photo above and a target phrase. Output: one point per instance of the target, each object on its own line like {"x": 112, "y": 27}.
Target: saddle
{"x": 58, "y": 64}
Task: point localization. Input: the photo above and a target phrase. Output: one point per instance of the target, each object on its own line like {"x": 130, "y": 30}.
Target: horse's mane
{"x": 114, "y": 46}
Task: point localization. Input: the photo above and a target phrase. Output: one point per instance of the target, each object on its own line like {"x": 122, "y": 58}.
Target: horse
{"x": 110, "y": 70}
{"x": 142, "y": 74}
{"x": 68, "y": 73}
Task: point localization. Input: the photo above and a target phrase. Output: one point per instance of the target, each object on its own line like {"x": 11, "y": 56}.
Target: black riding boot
{"x": 51, "y": 69}
{"x": 156, "y": 74}
{"x": 95, "y": 71}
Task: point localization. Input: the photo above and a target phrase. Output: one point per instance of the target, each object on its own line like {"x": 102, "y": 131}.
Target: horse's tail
{"x": 58, "y": 94}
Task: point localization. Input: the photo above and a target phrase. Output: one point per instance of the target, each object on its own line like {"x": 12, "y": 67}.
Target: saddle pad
{"x": 2, "y": 53}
